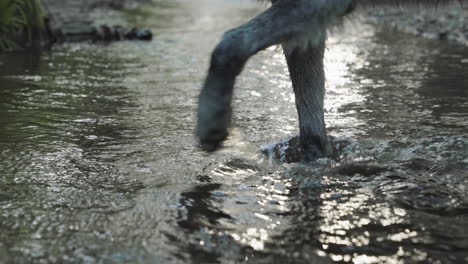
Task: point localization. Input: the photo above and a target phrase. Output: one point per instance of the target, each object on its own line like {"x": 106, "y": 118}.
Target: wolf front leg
{"x": 305, "y": 64}
{"x": 285, "y": 20}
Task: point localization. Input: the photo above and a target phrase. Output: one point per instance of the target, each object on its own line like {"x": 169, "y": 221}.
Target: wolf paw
{"x": 213, "y": 121}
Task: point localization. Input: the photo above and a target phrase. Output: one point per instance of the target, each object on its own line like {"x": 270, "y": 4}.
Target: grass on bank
{"x": 19, "y": 18}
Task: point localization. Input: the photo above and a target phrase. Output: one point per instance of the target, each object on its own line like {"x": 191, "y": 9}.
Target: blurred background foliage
{"x": 19, "y": 21}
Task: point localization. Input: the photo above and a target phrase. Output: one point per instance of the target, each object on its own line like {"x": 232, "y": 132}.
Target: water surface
{"x": 98, "y": 163}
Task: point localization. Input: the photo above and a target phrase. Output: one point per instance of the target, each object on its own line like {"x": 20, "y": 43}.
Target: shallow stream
{"x": 98, "y": 162}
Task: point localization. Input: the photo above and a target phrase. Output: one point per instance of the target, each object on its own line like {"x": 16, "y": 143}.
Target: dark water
{"x": 98, "y": 163}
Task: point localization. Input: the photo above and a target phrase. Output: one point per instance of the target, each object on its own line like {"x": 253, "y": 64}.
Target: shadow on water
{"x": 98, "y": 163}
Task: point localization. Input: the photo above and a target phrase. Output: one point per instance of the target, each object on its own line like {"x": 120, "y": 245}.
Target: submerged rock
{"x": 75, "y": 32}
{"x": 140, "y": 34}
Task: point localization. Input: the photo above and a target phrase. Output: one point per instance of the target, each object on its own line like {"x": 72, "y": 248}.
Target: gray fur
{"x": 300, "y": 27}
{"x": 308, "y": 79}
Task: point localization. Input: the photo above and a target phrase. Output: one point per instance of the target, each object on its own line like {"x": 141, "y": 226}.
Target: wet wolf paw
{"x": 287, "y": 150}
{"x": 213, "y": 121}
{"x": 211, "y": 141}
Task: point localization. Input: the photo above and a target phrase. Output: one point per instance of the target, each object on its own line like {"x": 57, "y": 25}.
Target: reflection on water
{"x": 98, "y": 162}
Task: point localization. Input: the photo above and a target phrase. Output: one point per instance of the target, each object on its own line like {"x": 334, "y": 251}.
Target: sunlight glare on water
{"x": 99, "y": 163}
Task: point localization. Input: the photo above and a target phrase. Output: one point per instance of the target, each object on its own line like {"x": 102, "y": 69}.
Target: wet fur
{"x": 300, "y": 27}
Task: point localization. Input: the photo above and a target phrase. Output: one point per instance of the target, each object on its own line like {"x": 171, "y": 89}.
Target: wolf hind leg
{"x": 306, "y": 69}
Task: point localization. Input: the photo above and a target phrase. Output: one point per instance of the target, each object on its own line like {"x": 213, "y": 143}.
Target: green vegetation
{"x": 19, "y": 18}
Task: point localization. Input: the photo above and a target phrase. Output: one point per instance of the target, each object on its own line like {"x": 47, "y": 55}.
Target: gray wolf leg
{"x": 306, "y": 70}
{"x": 283, "y": 23}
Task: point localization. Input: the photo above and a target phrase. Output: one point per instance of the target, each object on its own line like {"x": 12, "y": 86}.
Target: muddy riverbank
{"x": 103, "y": 20}
{"x": 79, "y": 18}
{"x": 97, "y": 11}
{"x": 448, "y": 23}
{"x": 71, "y": 21}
